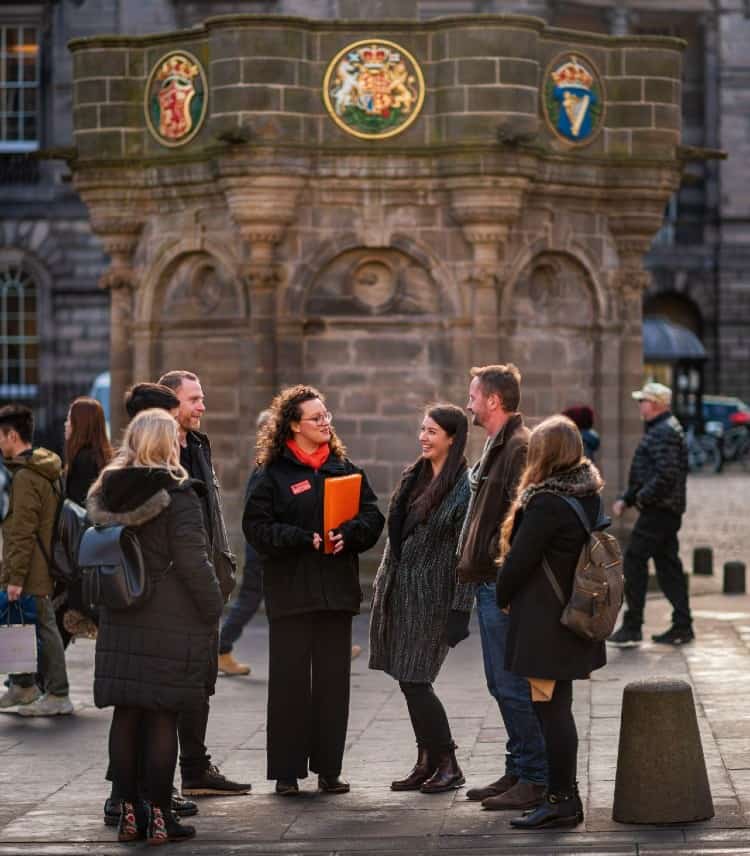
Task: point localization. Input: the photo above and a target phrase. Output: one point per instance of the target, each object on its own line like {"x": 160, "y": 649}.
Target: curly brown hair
{"x": 285, "y": 409}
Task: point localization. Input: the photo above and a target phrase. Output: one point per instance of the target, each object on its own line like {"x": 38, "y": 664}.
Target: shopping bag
{"x": 18, "y": 651}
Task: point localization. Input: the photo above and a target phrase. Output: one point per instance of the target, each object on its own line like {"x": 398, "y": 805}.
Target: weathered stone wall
{"x": 275, "y": 249}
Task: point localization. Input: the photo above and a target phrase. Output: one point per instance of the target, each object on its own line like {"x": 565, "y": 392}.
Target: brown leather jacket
{"x": 496, "y": 488}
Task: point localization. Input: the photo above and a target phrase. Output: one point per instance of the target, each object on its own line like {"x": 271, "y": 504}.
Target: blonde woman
{"x": 543, "y": 524}
{"x": 154, "y": 661}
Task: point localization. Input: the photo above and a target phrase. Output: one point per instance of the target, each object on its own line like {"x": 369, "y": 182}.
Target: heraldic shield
{"x": 573, "y": 99}
{"x": 175, "y": 100}
{"x": 373, "y": 89}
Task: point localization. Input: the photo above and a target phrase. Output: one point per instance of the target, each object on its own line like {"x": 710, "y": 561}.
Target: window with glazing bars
{"x": 19, "y": 88}
{"x": 19, "y": 340}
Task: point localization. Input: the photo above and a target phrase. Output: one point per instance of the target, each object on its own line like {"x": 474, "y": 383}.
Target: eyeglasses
{"x": 324, "y": 419}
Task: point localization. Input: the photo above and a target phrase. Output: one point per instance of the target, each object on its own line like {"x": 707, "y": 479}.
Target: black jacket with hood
{"x": 284, "y": 508}
{"x": 163, "y": 654}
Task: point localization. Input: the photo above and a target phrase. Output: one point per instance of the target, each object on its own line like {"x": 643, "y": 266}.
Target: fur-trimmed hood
{"x": 132, "y": 496}
{"x": 581, "y": 480}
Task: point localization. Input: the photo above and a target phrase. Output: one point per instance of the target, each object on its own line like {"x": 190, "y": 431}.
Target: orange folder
{"x": 340, "y": 503}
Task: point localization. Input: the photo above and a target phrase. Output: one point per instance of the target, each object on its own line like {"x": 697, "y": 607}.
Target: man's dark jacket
{"x": 224, "y": 561}
{"x": 497, "y": 481}
{"x": 284, "y": 509}
{"x": 658, "y": 473}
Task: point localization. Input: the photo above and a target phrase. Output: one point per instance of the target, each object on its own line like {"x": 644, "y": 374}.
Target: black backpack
{"x": 70, "y": 523}
{"x": 113, "y": 571}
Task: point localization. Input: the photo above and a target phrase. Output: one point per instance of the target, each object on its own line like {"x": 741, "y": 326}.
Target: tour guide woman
{"x": 542, "y": 525}
{"x": 310, "y": 596}
{"x": 419, "y": 608}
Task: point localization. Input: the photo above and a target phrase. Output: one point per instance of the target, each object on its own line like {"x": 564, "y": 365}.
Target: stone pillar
{"x": 119, "y": 238}
{"x": 487, "y": 213}
{"x": 263, "y": 209}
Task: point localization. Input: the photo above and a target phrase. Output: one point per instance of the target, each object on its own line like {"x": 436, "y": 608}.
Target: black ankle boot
{"x": 447, "y": 775}
{"x": 558, "y": 809}
{"x": 127, "y": 827}
{"x": 421, "y": 771}
{"x": 163, "y": 828}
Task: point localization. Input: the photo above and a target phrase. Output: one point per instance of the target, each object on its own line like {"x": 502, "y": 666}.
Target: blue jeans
{"x": 246, "y": 603}
{"x": 526, "y": 756}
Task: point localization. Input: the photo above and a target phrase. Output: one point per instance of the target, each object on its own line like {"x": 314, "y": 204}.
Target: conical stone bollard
{"x": 661, "y": 772}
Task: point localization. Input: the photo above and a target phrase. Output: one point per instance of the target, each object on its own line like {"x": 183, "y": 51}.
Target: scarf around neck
{"x": 314, "y": 460}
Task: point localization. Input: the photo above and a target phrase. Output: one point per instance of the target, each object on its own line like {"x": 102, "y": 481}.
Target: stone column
{"x": 263, "y": 209}
{"x": 487, "y": 212}
{"x": 119, "y": 238}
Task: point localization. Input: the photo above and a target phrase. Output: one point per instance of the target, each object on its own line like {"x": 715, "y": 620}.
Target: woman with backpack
{"x": 419, "y": 608}
{"x": 154, "y": 660}
{"x": 87, "y": 452}
{"x": 543, "y": 526}
{"x": 311, "y": 594}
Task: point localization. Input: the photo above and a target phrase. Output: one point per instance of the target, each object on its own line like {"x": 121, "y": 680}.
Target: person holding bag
{"x": 419, "y": 608}
{"x": 153, "y": 660}
{"x": 311, "y": 595}
{"x": 542, "y": 526}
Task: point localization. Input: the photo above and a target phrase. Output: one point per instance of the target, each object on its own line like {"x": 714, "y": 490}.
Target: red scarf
{"x": 314, "y": 460}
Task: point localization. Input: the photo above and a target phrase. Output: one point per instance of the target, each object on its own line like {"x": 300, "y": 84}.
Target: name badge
{"x": 301, "y": 487}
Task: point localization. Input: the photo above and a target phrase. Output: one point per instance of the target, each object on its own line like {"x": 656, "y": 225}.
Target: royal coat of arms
{"x": 175, "y": 101}
{"x": 573, "y": 99}
{"x": 373, "y": 89}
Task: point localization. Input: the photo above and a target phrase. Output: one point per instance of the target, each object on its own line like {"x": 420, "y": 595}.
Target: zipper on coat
{"x": 319, "y": 480}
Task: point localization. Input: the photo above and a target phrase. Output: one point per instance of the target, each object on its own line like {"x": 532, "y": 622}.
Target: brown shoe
{"x": 447, "y": 775}
{"x": 521, "y": 796}
{"x": 229, "y": 666}
{"x": 493, "y": 789}
{"x": 422, "y": 771}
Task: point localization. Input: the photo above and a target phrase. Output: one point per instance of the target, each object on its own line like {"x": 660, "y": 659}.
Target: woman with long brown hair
{"x": 87, "y": 448}
{"x": 311, "y": 596}
{"x": 419, "y": 609}
{"x": 543, "y": 524}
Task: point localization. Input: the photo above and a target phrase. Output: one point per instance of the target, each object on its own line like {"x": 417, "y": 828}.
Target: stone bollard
{"x": 661, "y": 773}
{"x": 734, "y": 578}
{"x": 703, "y": 561}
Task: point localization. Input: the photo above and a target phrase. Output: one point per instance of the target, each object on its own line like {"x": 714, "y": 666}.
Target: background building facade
{"x": 56, "y": 317}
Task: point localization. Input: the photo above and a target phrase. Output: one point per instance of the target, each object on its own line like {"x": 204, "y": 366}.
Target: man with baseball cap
{"x": 657, "y": 488}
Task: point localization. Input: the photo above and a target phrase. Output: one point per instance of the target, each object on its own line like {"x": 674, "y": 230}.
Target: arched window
{"x": 19, "y": 339}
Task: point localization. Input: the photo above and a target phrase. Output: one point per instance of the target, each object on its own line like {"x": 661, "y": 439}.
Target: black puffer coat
{"x": 162, "y": 655}
{"x": 284, "y": 508}
{"x": 658, "y": 473}
{"x": 538, "y": 646}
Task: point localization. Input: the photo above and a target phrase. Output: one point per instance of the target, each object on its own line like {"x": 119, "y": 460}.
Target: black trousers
{"x": 308, "y": 693}
{"x": 560, "y": 737}
{"x": 654, "y": 536}
{"x": 428, "y": 717}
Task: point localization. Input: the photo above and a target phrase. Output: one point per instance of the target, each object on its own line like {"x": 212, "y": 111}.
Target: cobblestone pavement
{"x": 52, "y": 776}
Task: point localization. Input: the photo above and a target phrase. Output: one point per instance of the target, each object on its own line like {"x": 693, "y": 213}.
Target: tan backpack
{"x": 598, "y": 585}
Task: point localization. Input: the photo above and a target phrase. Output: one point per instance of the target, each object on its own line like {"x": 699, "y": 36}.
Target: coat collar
{"x": 507, "y": 431}
{"x": 580, "y": 480}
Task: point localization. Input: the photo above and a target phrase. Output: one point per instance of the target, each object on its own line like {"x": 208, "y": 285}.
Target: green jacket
{"x": 33, "y": 506}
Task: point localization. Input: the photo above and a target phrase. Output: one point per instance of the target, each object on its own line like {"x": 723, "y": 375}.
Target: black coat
{"x": 82, "y": 472}
{"x": 162, "y": 655}
{"x": 658, "y": 473}
{"x": 538, "y": 645}
{"x": 281, "y": 515}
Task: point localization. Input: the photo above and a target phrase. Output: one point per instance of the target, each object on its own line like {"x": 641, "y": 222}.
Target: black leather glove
{"x": 456, "y": 628}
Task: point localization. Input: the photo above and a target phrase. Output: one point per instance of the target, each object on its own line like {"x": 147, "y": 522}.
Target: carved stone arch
{"x": 38, "y": 240}
{"x": 424, "y": 268}
{"x": 176, "y": 253}
{"x": 543, "y": 251}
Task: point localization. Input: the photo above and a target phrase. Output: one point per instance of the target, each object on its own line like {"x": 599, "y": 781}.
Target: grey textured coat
{"x": 414, "y": 594}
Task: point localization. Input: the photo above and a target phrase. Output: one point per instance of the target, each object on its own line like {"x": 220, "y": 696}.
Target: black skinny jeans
{"x": 428, "y": 717}
{"x": 654, "y": 536}
{"x": 560, "y": 737}
{"x": 148, "y": 739}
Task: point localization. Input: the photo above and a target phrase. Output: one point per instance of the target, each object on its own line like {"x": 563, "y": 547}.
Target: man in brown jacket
{"x": 494, "y": 397}
{"x": 27, "y": 537}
